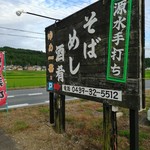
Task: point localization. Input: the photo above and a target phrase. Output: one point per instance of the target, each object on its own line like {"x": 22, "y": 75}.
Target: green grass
{"x": 25, "y": 79}
{"x": 147, "y": 74}
{"x": 124, "y": 133}
{"x": 44, "y": 110}
{"x": 20, "y": 125}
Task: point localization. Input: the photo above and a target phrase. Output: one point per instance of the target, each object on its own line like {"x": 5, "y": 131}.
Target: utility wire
{"x": 20, "y": 30}
{"x": 22, "y": 36}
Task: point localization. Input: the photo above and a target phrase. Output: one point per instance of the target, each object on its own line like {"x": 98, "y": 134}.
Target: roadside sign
{"x": 3, "y": 93}
{"x": 97, "y": 54}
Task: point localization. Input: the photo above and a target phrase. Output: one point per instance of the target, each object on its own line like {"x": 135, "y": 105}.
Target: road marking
{"x": 18, "y": 105}
{"x": 11, "y": 96}
{"x": 19, "y": 95}
{"x": 31, "y": 94}
{"x": 72, "y": 98}
{"x": 34, "y": 94}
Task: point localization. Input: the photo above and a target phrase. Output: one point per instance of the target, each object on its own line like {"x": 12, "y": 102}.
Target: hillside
{"x": 24, "y": 57}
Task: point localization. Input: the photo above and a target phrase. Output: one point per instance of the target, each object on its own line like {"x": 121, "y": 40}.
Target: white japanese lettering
{"x": 118, "y": 37}
{"x": 60, "y": 51}
{"x": 120, "y": 7}
{"x": 73, "y": 40}
{"x": 91, "y": 53}
{"x": 119, "y": 23}
{"x": 90, "y": 21}
{"x": 60, "y": 73}
{"x": 115, "y": 70}
{"x": 116, "y": 54}
{"x": 71, "y": 66}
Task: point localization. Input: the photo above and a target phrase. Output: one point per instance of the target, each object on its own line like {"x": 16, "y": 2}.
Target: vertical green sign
{"x": 119, "y": 33}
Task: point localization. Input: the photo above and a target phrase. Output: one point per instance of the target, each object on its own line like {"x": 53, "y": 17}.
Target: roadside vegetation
{"x": 30, "y": 129}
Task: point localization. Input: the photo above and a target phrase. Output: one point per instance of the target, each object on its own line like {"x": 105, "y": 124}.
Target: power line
{"x": 20, "y": 30}
{"x": 22, "y": 36}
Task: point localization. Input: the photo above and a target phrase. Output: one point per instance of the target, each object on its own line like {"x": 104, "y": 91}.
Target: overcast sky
{"x": 52, "y": 8}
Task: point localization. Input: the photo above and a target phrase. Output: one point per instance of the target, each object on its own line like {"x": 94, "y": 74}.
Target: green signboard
{"x": 119, "y": 35}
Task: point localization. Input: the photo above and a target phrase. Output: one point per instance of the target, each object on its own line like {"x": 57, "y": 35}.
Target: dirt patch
{"x": 29, "y": 128}
{"x": 6, "y": 142}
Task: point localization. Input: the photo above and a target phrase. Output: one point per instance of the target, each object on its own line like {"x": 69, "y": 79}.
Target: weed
{"x": 143, "y": 136}
{"x": 100, "y": 110}
{"x": 80, "y": 125}
{"x": 124, "y": 133}
{"x": 97, "y": 124}
{"x": 44, "y": 110}
{"x": 70, "y": 119}
{"x": 20, "y": 125}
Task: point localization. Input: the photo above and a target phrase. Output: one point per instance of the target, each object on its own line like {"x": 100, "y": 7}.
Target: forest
{"x": 23, "y": 57}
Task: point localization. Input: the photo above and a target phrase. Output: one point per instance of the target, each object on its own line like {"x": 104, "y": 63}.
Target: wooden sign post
{"x": 51, "y": 107}
{"x": 59, "y": 113}
{"x": 134, "y": 129}
{"x": 107, "y": 126}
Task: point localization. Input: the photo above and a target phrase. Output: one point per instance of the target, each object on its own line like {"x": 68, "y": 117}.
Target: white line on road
{"x": 18, "y": 105}
{"x": 34, "y": 94}
{"x": 72, "y": 98}
{"x": 11, "y": 96}
{"x": 19, "y": 95}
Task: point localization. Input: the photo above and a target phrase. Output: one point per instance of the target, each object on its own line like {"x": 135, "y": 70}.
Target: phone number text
{"x": 94, "y": 92}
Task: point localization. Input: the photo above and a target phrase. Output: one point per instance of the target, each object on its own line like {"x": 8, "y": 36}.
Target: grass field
{"x": 25, "y": 79}
{"x": 31, "y": 79}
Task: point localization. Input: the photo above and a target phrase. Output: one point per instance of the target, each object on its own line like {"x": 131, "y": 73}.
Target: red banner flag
{"x": 3, "y": 97}
{"x": 1, "y": 62}
{"x": 3, "y": 93}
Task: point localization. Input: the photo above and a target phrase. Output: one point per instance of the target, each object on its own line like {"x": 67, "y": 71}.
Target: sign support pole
{"x": 114, "y": 142}
{"x": 110, "y": 127}
{"x": 59, "y": 113}
{"x": 51, "y": 106}
{"x": 134, "y": 129}
{"x": 62, "y": 104}
{"x": 107, "y": 125}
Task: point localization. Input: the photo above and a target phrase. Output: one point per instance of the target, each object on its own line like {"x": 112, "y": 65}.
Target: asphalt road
{"x": 28, "y": 97}
{"x": 147, "y": 84}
